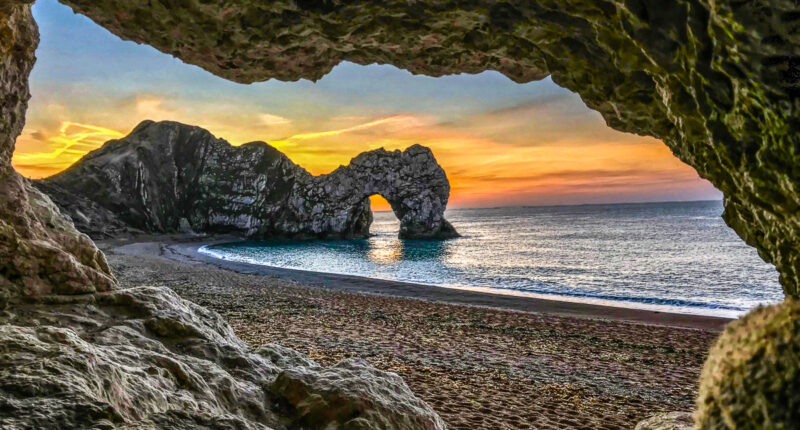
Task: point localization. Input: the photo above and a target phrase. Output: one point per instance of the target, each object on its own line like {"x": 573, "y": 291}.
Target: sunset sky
{"x": 500, "y": 143}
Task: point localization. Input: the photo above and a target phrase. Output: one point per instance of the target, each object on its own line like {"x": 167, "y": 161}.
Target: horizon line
{"x": 577, "y": 204}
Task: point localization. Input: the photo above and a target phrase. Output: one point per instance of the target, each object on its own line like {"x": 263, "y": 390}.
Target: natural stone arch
{"x": 411, "y": 181}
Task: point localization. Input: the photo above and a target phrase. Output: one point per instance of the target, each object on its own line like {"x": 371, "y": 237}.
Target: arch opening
{"x": 384, "y": 218}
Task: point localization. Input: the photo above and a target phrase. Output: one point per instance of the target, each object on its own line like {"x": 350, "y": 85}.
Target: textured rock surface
{"x": 40, "y": 252}
{"x": 169, "y": 177}
{"x": 751, "y": 379}
{"x": 411, "y": 181}
{"x": 19, "y": 37}
{"x": 716, "y": 80}
{"x": 353, "y": 395}
{"x": 668, "y": 421}
{"x": 145, "y": 358}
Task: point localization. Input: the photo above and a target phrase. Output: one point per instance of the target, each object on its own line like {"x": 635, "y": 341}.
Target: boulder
{"x": 751, "y": 379}
{"x": 145, "y": 358}
{"x": 353, "y": 396}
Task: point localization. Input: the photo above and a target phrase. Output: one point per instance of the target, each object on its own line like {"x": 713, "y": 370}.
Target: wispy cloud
{"x": 407, "y": 120}
{"x": 272, "y": 120}
{"x": 544, "y": 151}
{"x": 72, "y": 142}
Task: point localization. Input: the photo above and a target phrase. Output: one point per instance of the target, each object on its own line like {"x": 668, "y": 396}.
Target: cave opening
{"x": 572, "y": 178}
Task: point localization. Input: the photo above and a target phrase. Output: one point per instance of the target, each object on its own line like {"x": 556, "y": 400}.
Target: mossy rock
{"x": 751, "y": 379}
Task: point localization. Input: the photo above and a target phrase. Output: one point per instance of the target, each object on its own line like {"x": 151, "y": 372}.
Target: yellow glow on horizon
{"x": 73, "y": 141}
{"x": 379, "y": 204}
{"x": 486, "y": 164}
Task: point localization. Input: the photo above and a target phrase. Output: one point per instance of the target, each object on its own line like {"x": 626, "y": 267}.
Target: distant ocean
{"x": 678, "y": 257}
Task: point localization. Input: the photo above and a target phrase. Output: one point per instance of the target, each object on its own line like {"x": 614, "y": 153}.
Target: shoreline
{"x": 482, "y": 361}
{"x": 185, "y": 250}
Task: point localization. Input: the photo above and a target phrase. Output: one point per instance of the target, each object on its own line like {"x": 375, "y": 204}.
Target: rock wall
{"x": 41, "y": 253}
{"x": 168, "y": 177}
{"x": 717, "y": 81}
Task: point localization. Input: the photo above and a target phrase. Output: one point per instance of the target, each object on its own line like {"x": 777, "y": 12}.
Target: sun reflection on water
{"x": 385, "y": 251}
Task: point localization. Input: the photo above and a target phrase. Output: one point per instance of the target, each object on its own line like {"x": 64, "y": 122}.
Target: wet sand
{"x": 483, "y": 361}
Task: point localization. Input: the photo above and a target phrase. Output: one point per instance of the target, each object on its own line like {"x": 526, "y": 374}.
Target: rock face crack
{"x": 168, "y": 177}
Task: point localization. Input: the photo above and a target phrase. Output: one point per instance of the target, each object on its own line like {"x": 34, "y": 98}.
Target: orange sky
{"x": 501, "y": 143}
{"x": 490, "y": 159}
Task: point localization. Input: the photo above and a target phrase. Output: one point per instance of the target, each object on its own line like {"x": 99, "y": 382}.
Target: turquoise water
{"x": 677, "y": 257}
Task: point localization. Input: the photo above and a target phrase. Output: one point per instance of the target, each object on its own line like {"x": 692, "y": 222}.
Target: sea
{"x": 671, "y": 257}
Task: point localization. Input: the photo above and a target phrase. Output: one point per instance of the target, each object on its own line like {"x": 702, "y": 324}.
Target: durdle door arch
{"x": 716, "y": 80}
{"x": 411, "y": 181}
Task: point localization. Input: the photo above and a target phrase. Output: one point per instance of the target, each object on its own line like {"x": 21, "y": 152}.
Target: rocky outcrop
{"x": 169, "y": 177}
{"x": 752, "y": 375}
{"x": 144, "y": 358}
{"x": 411, "y": 181}
{"x": 716, "y": 80}
{"x": 41, "y": 253}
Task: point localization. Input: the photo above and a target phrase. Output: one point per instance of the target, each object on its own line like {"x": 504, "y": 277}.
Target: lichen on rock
{"x": 751, "y": 379}
{"x": 169, "y": 177}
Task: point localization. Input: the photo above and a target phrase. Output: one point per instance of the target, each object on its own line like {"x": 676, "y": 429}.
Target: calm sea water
{"x": 678, "y": 257}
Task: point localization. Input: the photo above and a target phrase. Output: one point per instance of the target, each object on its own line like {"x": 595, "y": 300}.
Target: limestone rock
{"x": 668, "y": 421}
{"x": 19, "y": 37}
{"x": 40, "y": 251}
{"x": 145, "y": 358}
{"x": 168, "y": 177}
{"x": 716, "y": 80}
{"x": 751, "y": 379}
{"x": 354, "y": 396}
{"x": 411, "y": 181}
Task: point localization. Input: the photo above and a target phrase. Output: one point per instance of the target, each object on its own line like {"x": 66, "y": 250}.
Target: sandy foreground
{"x": 483, "y": 361}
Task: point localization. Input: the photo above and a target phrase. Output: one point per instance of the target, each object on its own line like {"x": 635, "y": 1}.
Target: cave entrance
{"x": 484, "y": 142}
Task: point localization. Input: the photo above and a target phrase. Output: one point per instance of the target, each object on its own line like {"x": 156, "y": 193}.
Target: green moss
{"x": 751, "y": 379}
